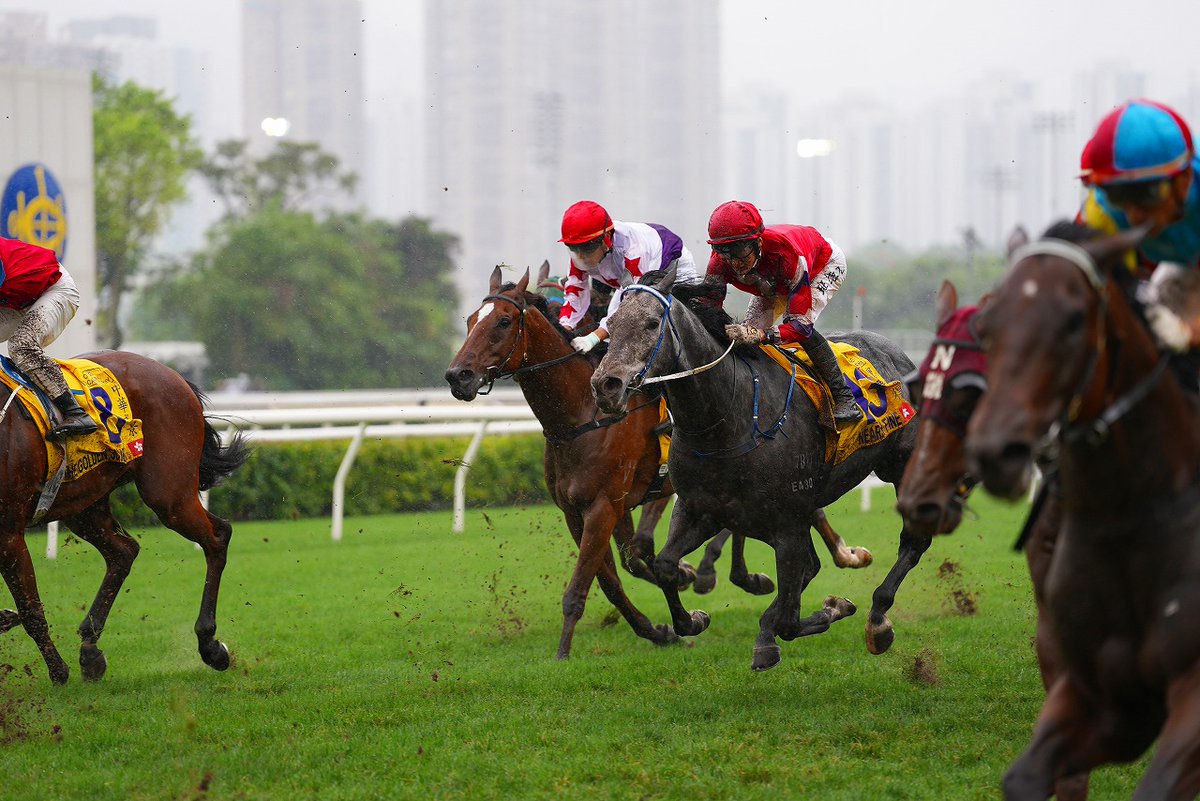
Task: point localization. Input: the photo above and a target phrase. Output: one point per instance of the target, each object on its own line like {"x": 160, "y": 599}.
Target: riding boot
{"x": 75, "y": 420}
{"x": 845, "y": 409}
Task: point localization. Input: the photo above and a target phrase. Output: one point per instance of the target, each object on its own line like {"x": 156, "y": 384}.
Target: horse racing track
{"x": 410, "y": 662}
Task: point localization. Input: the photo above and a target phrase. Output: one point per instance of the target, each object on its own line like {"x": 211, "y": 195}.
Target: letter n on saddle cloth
{"x": 884, "y": 408}
{"x": 97, "y": 391}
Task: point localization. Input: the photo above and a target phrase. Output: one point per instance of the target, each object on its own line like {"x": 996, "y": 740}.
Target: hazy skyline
{"x": 817, "y": 52}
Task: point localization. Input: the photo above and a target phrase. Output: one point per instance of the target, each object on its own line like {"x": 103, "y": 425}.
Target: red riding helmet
{"x": 1139, "y": 141}
{"x": 734, "y": 221}
{"x": 585, "y": 221}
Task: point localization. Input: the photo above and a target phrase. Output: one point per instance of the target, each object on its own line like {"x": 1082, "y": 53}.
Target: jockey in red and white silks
{"x": 637, "y": 249}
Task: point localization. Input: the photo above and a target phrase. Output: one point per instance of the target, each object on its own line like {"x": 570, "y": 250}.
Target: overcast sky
{"x": 909, "y": 51}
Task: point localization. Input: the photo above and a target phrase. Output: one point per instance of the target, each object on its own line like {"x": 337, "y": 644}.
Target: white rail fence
{"x": 359, "y": 416}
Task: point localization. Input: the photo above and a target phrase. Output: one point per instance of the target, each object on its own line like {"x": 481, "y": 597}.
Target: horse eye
{"x": 650, "y": 325}
{"x": 504, "y": 322}
{"x": 1074, "y": 321}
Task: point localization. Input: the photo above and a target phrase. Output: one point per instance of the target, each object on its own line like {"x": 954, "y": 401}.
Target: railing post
{"x": 339, "y": 482}
{"x": 52, "y": 539}
{"x": 460, "y": 480}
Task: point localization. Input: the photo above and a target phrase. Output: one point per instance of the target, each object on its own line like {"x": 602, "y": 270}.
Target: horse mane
{"x": 1077, "y": 233}
{"x": 703, "y": 298}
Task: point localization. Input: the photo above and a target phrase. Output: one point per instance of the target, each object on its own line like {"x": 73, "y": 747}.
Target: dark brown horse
{"x": 597, "y": 468}
{"x": 936, "y": 481}
{"x": 183, "y": 455}
{"x": 1071, "y": 366}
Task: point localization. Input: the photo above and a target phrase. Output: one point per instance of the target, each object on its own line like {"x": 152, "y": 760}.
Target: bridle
{"x": 496, "y": 372}
{"x": 640, "y": 379}
{"x": 1069, "y": 429}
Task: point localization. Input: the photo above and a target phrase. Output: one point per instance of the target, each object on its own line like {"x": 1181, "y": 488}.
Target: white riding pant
{"x": 28, "y": 331}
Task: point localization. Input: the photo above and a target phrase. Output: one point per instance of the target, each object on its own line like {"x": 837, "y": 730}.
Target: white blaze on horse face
{"x": 1029, "y": 288}
{"x": 484, "y": 311}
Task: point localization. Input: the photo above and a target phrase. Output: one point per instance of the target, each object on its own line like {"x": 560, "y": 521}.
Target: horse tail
{"x": 217, "y": 461}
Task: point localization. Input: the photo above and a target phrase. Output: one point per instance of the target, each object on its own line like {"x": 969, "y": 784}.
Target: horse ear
{"x": 1107, "y": 249}
{"x": 625, "y": 278}
{"x": 543, "y": 272}
{"x": 668, "y": 281}
{"x": 1016, "y": 239}
{"x": 947, "y": 302}
{"x": 523, "y": 283}
{"x": 494, "y": 285}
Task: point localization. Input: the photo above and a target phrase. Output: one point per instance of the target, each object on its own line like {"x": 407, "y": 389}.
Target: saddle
{"x": 885, "y": 409}
{"x": 119, "y": 438}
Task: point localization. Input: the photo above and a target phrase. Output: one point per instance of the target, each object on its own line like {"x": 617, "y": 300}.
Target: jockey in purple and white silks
{"x": 615, "y": 253}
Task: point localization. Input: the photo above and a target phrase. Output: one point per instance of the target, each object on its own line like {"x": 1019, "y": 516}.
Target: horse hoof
{"x": 765, "y": 657}
{"x": 664, "y": 635}
{"x": 705, "y": 583}
{"x": 700, "y": 621}
{"x": 8, "y": 619}
{"x": 686, "y": 576}
{"x": 840, "y": 607}
{"x": 863, "y": 557}
{"x": 92, "y": 663}
{"x": 59, "y": 673}
{"x": 881, "y": 637}
{"x": 215, "y": 655}
{"x": 760, "y": 584}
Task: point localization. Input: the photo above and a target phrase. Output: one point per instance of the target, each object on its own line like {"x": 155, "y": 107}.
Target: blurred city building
{"x": 302, "y": 63}
{"x": 535, "y": 104}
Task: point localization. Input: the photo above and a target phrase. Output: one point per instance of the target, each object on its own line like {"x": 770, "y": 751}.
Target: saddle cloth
{"x": 101, "y": 396}
{"x": 885, "y": 410}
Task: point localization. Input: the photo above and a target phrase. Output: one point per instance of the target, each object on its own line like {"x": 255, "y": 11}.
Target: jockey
{"x": 37, "y": 300}
{"x": 1139, "y": 167}
{"x": 792, "y": 271}
{"x": 615, "y": 253}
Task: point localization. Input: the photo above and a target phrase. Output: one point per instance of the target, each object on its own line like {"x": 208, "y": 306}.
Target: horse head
{"x": 637, "y": 336}
{"x": 1049, "y": 344}
{"x": 946, "y": 389}
{"x": 494, "y": 346}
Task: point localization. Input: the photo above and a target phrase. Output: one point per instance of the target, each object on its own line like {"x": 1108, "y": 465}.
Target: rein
{"x": 666, "y": 300}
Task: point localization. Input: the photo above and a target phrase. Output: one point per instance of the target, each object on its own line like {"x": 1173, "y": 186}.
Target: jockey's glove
{"x": 585, "y": 344}
{"x": 747, "y": 334}
{"x": 1169, "y": 329}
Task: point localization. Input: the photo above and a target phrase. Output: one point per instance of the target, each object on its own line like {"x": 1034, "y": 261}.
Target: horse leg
{"x": 740, "y": 576}
{"x": 706, "y": 573}
{"x": 610, "y": 584}
{"x": 686, "y": 534}
{"x": 17, "y": 568}
{"x": 1075, "y": 733}
{"x": 640, "y": 553}
{"x": 1174, "y": 772}
{"x": 843, "y": 555}
{"x": 879, "y": 629}
{"x": 97, "y": 526}
{"x": 9, "y": 619}
{"x": 186, "y": 516}
{"x": 592, "y": 532}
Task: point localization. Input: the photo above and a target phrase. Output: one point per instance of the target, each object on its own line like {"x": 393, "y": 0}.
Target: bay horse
{"x": 723, "y": 478}
{"x": 182, "y": 455}
{"x": 597, "y": 469}
{"x": 937, "y": 480}
{"x": 1071, "y": 366}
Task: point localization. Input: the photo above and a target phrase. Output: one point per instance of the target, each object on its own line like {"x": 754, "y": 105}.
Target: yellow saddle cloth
{"x": 664, "y": 436}
{"x": 120, "y": 436}
{"x": 885, "y": 409}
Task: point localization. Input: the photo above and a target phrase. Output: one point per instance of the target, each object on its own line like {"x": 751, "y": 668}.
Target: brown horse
{"x": 937, "y": 481}
{"x": 1071, "y": 365}
{"x": 182, "y": 455}
{"x": 597, "y": 468}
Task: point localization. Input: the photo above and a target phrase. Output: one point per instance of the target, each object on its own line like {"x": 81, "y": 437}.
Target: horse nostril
{"x": 458, "y": 375}
{"x": 611, "y": 386}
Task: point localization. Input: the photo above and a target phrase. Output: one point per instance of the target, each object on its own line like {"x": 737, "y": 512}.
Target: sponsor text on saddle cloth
{"x": 119, "y": 438}
{"x": 884, "y": 408}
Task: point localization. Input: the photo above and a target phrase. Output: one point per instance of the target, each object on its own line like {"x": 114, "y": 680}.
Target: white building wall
{"x": 52, "y": 124}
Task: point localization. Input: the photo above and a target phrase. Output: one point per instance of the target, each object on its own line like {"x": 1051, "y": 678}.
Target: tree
{"x": 302, "y": 303}
{"x": 293, "y": 175}
{"x": 143, "y": 153}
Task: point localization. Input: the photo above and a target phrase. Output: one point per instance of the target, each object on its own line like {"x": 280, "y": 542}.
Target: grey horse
{"x": 749, "y": 453}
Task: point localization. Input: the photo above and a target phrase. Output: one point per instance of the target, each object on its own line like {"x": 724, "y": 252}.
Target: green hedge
{"x": 293, "y": 480}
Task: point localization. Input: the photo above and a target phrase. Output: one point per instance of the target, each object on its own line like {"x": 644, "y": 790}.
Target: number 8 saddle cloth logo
{"x": 98, "y": 392}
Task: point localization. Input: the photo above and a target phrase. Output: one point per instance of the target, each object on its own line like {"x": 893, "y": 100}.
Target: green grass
{"x": 410, "y": 662}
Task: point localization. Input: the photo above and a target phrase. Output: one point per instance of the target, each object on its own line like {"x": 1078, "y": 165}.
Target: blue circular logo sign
{"x": 34, "y": 210}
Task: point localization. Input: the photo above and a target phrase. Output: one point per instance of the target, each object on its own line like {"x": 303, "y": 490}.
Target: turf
{"x": 410, "y": 662}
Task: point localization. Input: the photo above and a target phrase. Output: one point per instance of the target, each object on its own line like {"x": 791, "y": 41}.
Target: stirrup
{"x": 72, "y": 427}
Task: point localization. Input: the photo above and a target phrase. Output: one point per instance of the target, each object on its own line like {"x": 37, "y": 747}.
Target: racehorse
{"x": 937, "y": 480}
{"x": 731, "y": 473}
{"x": 597, "y": 470}
{"x": 1071, "y": 366}
{"x": 182, "y": 455}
